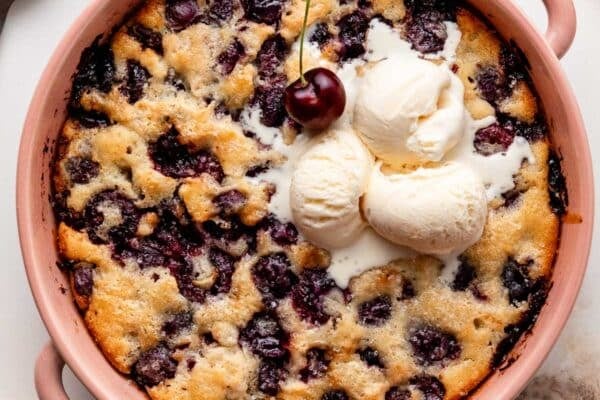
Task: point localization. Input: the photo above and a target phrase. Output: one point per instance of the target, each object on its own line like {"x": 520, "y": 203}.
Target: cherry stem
{"x": 306, "y": 11}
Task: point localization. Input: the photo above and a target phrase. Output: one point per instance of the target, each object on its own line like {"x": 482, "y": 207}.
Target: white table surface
{"x": 33, "y": 29}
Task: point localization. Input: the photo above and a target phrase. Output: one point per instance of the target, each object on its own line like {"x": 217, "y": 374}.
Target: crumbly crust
{"x": 155, "y": 195}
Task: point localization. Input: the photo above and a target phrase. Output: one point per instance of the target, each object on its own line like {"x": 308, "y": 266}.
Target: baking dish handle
{"x": 562, "y": 25}
{"x": 48, "y": 374}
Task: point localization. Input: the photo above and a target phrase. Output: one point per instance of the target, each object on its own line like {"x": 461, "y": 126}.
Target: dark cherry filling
{"x": 89, "y": 119}
{"x": 493, "y": 84}
{"x": 447, "y": 8}
{"x": 425, "y": 25}
{"x": 173, "y": 244}
{"x": 397, "y": 393}
{"x": 320, "y": 34}
{"x": 154, "y": 366}
{"x": 362, "y": 4}
{"x": 221, "y": 10}
{"x": 432, "y": 346}
{"x": 273, "y": 277}
{"x": 284, "y": 234}
{"x": 559, "y": 198}
{"x": 170, "y": 240}
{"x": 371, "y": 357}
{"x": 175, "y": 160}
{"x": 225, "y": 265}
{"x": 263, "y": 11}
{"x": 177, "y": 324}
{"x": 271, "y": 55}
{"x": 230, "y": 202}
{"x": 493, "y": 139}
{"x": 516, "y": 279}
{"x": 81, "y": 170}
{"x": 270, "y": 374}
{"x": 66, "y": 265}
{"x": 184, "y": 275}
{"x": 258, "y": 170}
{"x": 539, "y": 294}
{"x": 430, "y": 386}
{"x": 353, "y": 33}
{"x": 498, "y": 137}
{"x": 224, "y": 232}
{"x": 511, "y": 197}
{"x": 111, "y": 202}
{"x": 83, "y": 279}
{"x": 136, "y": 81}
{"x": 190, "y": 363}
{"x": 224, "y": 229}
{"x": 316, "y": 365}
{"x": 64, "y": 213}
{"x": 269, "y": 94}
{"x": 180, "y": 14}
{"x": 514, "y": 62}
{"x": 335, "y": 395}
{"x": 230, "y": 57}
{"x": 208, "y": 338}
{"x": 96, "y": 70}
{"x": 427, "y": 32}
{"x": 307, "y": 296}
{"x": 269, "y": 97}
{"x": 531, "y": 132}
{"x": 148, "y": 38}
{"x": 465, "y": 276}
{"x": 375, "y": 312}
{"x": 465, "y": 279}
{"x": 497, "y": 84}
{"x": 265, "y": 337}
{"x": 408, "y": 290}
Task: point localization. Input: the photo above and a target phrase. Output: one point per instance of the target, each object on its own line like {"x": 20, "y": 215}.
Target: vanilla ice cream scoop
{"x": 326, "y": 188}
{"x": 410, "y": 111}
{"x": 437, "y": 211}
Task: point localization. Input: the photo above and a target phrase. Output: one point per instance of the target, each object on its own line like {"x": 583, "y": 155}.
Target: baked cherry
{"x": 317, "y": 100}
{"x": 318, "y": 97}
{"x": 180, "y": 14}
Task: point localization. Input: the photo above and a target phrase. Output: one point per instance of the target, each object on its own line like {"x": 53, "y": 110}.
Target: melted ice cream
{"x": 371, "y": 250}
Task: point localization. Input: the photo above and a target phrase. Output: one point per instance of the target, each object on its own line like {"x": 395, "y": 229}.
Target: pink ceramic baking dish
{"x": 70, "y": 339}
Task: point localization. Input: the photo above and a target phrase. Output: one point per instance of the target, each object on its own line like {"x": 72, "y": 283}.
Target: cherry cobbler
{"x": 219, "y": 249}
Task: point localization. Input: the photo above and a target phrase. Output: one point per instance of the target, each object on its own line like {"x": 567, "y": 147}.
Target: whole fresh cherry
{"x": 317, "y": 100}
